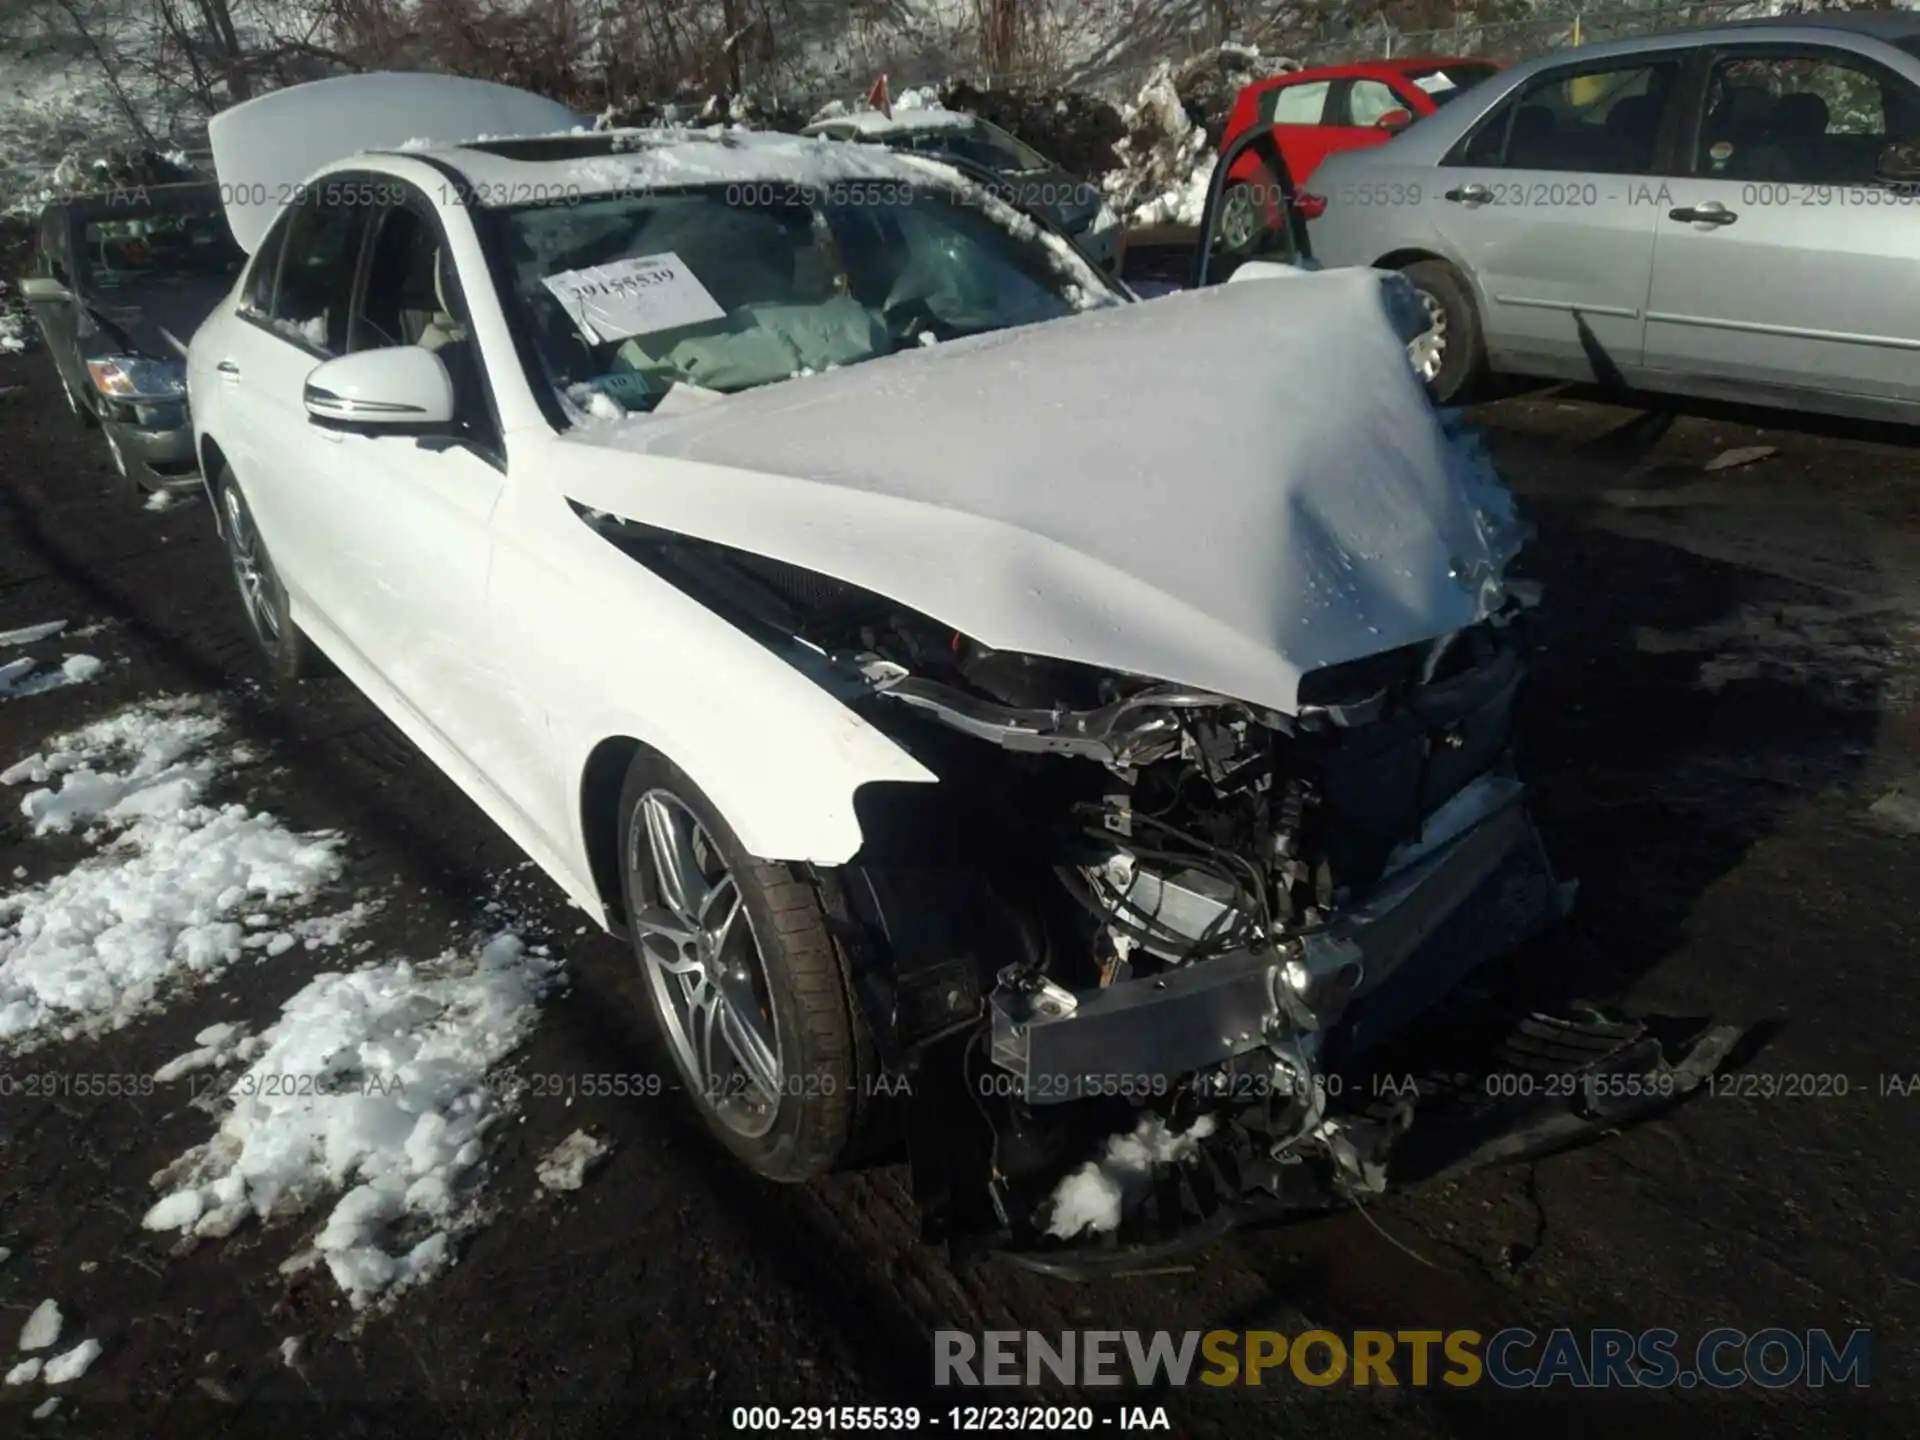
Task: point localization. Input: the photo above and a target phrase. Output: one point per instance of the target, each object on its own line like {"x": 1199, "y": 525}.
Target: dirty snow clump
{"x": 565, "y": 1166}
{"x": 42, "y": 1328}
{"x": 73, "y": 1364}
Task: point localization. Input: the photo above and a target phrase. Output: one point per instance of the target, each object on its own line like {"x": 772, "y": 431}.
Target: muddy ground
{"x": 1726, "y": 682}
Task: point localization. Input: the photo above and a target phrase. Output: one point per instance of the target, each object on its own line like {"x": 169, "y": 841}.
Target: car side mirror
{"x": 43, "y": 288}
{"x": 401, "y": 390}
{"x": 1394, "y": 121}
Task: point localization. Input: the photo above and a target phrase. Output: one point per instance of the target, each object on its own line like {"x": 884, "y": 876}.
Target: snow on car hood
{"x": 1226, "y": 489}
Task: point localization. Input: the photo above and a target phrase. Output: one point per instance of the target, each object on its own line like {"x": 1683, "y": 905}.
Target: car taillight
{"x": 1311, "y": 207}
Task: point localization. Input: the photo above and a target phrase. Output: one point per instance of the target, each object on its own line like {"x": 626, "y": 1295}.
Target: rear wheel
{"x": 745, "y": 980}
{"x": 1451, "y": 356}
{"x": 263, "y": 598}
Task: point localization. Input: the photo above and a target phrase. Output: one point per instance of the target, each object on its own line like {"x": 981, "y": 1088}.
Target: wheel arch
{"x": 598, "y": 807}
{"x": 212, "y": 461}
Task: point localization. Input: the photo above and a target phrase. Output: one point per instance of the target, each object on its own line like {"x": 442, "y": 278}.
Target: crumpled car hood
{"x": 1226, "y": 489}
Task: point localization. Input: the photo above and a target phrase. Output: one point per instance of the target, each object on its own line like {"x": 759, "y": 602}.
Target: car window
{"x": 256, "y": 299}
{"x": 1254, "y": 217}
{"x": 982, "y": 144}
{"x": 125, "y": 250}
{"x": 1444, "y": 84}
{"x": 1368, "y": 100}
{"x": 1302, "y": 104}
{"x": 411, "y": 296}
{"x": 1599, "y": 119}
{"x": 315, "y": 289}
{"x": 1806, "y": 118}
{"x": 622, "y": 297}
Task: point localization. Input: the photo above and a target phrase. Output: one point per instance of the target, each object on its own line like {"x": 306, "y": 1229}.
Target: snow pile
{"x": 89, "y": 949}
{"x": 1094, "y": 1196}
{"x": 25, "y": 1373}
{"x": 1165, "y": 160}
{"x": 372, "y": 1082}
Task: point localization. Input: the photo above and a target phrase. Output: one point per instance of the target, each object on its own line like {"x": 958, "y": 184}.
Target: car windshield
{"x": 978, "y": 143}
{"x": 725, "y": 288}
{"x": 124, "y": 250}
{"x": 1444, "y": 83}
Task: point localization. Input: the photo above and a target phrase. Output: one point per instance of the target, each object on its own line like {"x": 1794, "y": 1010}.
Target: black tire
{"x": 81, "y": 410}
{"x": 825, "y": 1060}
{"x": 288, "y": 653}
{"x": 126, "y": 483}
{"x": 1463, "y": 360}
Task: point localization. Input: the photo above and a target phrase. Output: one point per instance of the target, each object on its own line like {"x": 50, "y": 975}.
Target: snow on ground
{"x": 161, "y": 900}
{"x": 16, "y": 330}
{"x": 565, "y": 1166}
{"x": 1094, "y": 1196}
{"x": 72, "y": 1364}
{"x": 42, "y": 1329}
{"x": 17, "y": 677}
{"x": 373, "y": 1083}
{"x": 29, "y": 634}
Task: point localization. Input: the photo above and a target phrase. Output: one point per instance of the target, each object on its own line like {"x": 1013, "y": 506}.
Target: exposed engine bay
{"x": 1151, "y": 913}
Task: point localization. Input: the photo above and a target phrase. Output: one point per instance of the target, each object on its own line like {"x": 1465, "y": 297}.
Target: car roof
{"x": 1362, "y": 68}
{"x": 531, "y": 169}
{"x": 1814, "y": 27}
{"x": 1879, "y": 24}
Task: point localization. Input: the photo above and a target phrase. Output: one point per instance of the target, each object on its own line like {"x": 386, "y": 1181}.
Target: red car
{"x": 1313, "y": 113}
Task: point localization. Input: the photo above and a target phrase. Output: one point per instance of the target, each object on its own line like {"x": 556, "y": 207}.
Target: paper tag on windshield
{"x": 639, "y": 296}
{"x": 1433, "y": 84}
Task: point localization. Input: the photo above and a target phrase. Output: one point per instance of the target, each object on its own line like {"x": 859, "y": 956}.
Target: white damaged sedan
{"x": 1001, "y": 715}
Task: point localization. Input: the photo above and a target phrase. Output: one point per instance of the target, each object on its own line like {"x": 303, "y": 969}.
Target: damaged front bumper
{"x": 1455, "y": 904}
{"x": 1281, "y": 1066}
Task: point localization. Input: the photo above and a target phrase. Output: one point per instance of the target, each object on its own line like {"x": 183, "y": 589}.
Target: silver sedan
{"x": 1730, "y": 213}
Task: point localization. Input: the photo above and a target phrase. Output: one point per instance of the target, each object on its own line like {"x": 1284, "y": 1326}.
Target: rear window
{"x": 1444, "y": 83}
{"x": 127, "y": 250}
{"x": 979, "y": 143}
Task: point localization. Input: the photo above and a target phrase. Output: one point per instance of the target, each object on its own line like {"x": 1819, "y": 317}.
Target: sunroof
{"x": 552, "y": 147}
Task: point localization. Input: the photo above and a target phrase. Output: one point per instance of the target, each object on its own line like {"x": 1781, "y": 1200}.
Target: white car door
{"x": 1546, "y": 204}
{"x": 270, "y": 346}
{"x": 1781, "y": 260}
{"x": 278, "y": 458}
{"x": 400, "y": 522}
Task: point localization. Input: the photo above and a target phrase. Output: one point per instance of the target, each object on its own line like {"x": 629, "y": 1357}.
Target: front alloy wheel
{"x": 703, "y": 960}
{"x": 748, "y": 983}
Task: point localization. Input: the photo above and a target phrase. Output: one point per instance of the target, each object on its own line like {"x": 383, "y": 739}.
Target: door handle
{"x": 228, "y": 369}
{"x": 1711, "y": 213}
{"x": 1469, "y": 195}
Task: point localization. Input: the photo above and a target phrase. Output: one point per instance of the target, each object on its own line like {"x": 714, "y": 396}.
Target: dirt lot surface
{"x": 1728, "y": 668}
